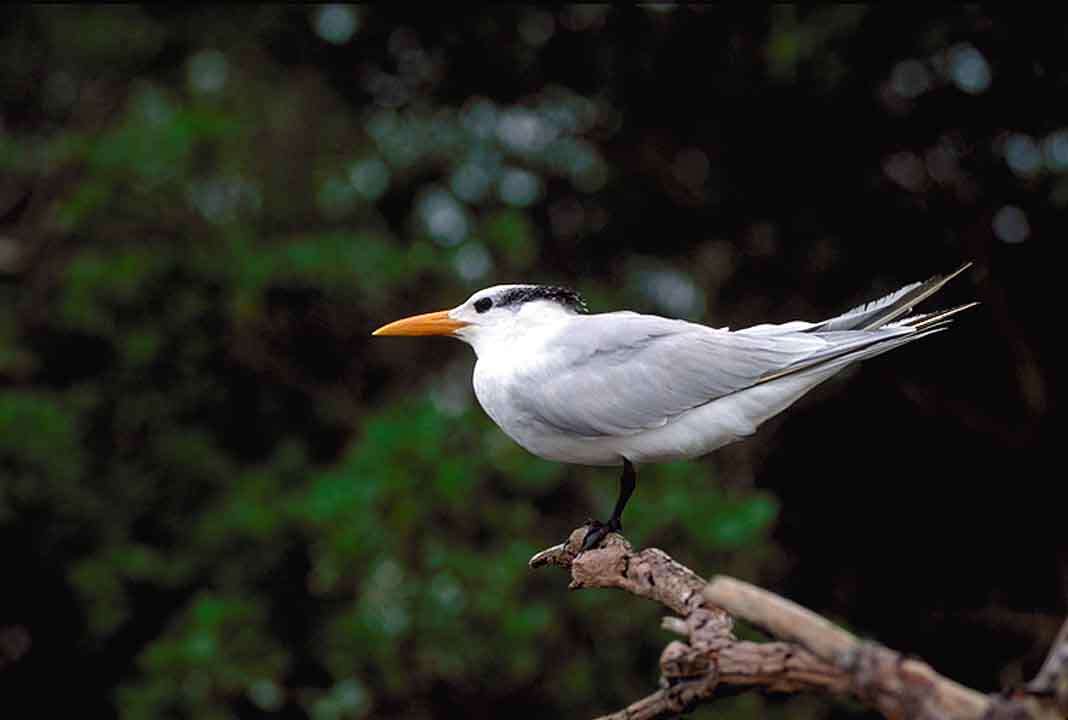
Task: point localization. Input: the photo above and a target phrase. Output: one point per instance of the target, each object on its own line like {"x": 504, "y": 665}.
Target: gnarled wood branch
{"x": 1052, "y": 680}
{"x": 810, "y": 654}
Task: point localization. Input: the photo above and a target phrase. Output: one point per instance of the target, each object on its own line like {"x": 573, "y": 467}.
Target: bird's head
{"x": 500, "y": 312}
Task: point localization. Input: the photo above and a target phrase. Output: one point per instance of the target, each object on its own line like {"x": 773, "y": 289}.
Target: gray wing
{"x": 621, "y": 373}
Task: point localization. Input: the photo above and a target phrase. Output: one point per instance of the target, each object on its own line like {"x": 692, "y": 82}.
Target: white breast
{"x": 494, "y": 378}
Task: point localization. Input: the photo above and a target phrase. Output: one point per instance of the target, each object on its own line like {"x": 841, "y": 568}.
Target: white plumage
{"x": 613, "y": 388}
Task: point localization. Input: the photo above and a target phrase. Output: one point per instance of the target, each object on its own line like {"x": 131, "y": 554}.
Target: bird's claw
{"x": 598, "y": 531}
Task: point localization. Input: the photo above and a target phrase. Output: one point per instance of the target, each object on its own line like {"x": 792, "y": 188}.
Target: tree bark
{"x": 810, "y": 653}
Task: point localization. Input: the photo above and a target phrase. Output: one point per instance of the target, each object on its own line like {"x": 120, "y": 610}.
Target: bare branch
{"x": 812, "y": 653}
{"x": 897, "y": 686}
{"x": 781, "y": 618}
{"x": 1052, "y": 679}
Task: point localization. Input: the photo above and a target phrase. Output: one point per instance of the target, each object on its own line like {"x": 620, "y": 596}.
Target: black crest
{"x": 563, "y": 295}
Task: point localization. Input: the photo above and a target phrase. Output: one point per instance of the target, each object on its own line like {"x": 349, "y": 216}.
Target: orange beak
{"x": 435, "y": 323}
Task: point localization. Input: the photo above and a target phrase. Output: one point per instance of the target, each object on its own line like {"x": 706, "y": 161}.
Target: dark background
{"x": 220, "y": 498}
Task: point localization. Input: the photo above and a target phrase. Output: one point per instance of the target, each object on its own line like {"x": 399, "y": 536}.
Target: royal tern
{"x": 622, "y": 388}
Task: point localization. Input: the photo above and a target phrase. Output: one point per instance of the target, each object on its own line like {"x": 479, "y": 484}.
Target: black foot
{"x": 599, "y": 531}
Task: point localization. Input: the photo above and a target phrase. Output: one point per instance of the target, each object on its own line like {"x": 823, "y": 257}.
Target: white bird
{"x": 622, "y": 388}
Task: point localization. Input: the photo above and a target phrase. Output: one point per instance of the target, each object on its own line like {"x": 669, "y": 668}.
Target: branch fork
{"x": 810, "y": 653}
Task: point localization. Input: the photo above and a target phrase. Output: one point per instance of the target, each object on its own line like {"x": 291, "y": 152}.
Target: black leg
{"x": 627, "y": 482}
{"x": 598, "y": 530}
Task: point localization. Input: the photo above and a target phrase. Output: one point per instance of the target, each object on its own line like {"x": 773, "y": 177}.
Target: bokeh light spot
{"x": 968, "y": 69}
{"x": 472, "y": 179}
{"x": 347, "y": 699}
{"x": 1055, "y": 150}
{"x": 519, "y": 187}
{"x": 587, "y": 169}
{"x": 266, "y": 695}
{"x": 1023, "y": 155}
{"x": 1011, "y": 225}
{"x": 451, "y": 392}
{"x": 153, "y": 105}
{"x": 672, "y": 291}
{"x": 479, "y": 117}
{"x": 219, "y": 199}
{"x": 208, "y": 71}
{"x": 336, "y": 23}
{"x": 447, "y": 592}
{"x": 910, "y": 78}
{"x": 370, "y": 178}
{"x": 523, "y": 130}
{"x": 442, "y": 217}
{"x": 472, "y": 261}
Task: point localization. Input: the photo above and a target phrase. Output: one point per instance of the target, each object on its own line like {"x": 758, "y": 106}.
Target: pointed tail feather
{"x": 883, "y": 341}
{"x": 884, "y": 338}
{"x": 889, "y": 308}
{"x": 931, "y": 320}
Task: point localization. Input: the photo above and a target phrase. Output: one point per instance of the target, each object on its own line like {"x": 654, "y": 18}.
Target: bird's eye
{"x": 483, "y": 304}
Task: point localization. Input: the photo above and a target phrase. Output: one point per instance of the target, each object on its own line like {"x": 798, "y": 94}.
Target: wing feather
{"x": 622, "y": 373}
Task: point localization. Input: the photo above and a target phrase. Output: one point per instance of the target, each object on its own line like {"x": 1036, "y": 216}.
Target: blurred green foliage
{"x": 253, "y": 509}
